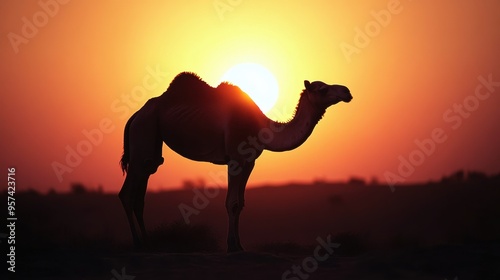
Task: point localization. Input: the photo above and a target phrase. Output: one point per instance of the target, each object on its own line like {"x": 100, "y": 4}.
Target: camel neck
{"x": 289, "y": 135}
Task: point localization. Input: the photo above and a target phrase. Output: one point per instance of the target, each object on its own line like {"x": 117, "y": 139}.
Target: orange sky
{"x": 68, "y": 66}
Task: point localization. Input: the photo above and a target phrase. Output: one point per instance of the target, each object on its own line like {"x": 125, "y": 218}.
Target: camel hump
{"x": 187, "y": 81}
{"x": 228, "y": 87}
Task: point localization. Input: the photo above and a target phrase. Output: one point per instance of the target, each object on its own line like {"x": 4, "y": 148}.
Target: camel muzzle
{"x": 348, "y": 99}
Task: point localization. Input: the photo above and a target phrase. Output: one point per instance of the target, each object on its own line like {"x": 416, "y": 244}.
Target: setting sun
{"x": 394, "y": 63}
{"x": 256, "y": 81}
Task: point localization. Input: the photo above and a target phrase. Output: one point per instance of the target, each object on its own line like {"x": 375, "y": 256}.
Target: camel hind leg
{"x": 141, "y": 158}
{"x": 132, "y": 197}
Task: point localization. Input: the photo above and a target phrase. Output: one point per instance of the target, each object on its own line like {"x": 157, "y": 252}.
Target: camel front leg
{"x": 235, "y": 200}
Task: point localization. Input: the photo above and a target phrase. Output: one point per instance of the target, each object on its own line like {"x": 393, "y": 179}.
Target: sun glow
{"x": 258, "y": 82}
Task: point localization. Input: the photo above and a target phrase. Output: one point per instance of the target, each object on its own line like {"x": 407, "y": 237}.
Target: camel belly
{"x": 198, "y": 150}
{"x": 195, "y": 135}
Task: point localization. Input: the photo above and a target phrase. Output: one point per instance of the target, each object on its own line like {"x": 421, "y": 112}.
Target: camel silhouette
{"x": 220, "y": 125}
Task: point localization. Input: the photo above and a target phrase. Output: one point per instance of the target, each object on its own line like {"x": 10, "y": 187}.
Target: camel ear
{"x": 307, "y": 84}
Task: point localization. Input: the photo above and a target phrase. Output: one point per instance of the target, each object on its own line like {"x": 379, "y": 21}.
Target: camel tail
{"x": 126, "y": 148}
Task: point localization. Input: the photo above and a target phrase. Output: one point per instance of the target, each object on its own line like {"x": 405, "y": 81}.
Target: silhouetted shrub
{"x": 477, "y": 176}
{"x": 458, "y": 176}
{"x": 374, "y": 181}
{"x": 319, "y": 181}
{"x": 188, "y": 184}
{"x": 191, "y": 184}
{"x": 356, "y": 181}
{"x": 30, "y": 192}
{"x": 52, "y": 191}
{"x": 179, "y": 237}
{"x": 78, "y": 188}
{"x": 100, "y": 189}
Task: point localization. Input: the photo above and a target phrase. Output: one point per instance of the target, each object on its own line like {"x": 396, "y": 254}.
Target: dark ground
{"x": 439, "y": 262}
{"x": 445, "y": 230}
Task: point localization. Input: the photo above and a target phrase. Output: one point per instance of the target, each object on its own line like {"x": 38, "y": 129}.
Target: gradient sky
{"x": 74, "y": 69}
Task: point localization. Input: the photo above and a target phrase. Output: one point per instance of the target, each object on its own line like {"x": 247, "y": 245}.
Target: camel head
{"x": 324, "y": 95}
